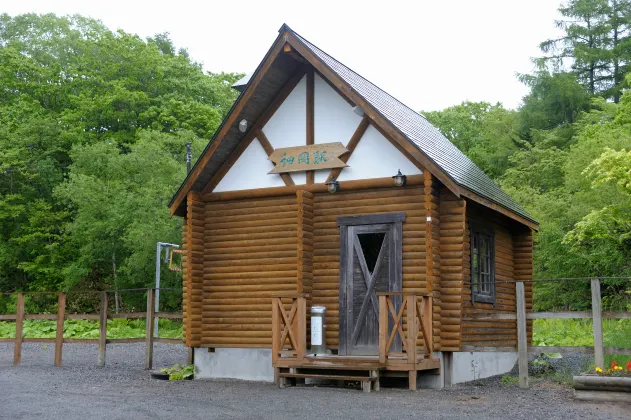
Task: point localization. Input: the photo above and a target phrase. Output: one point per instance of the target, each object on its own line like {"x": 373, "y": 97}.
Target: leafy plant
{"x": 510, "y": 379}
{"x": 179, "y": 372}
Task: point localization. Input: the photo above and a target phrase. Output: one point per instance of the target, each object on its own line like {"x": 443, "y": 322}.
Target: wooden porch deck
{"x": 291, "y": 362}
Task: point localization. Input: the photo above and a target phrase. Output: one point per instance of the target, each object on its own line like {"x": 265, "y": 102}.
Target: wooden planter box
{"x": 602, "y": 388}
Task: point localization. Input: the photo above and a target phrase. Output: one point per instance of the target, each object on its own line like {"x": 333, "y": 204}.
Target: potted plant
{"x": 612, "y": 384}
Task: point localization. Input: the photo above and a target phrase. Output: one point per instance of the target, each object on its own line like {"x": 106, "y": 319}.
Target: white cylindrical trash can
{"x": 318, "y": 330}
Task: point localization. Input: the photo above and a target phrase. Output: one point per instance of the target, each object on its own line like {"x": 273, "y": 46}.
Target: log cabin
{"x": 319, "y": 189}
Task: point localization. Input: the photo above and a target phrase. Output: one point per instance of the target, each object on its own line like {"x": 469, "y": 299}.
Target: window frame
{"x": 478, "y": 231}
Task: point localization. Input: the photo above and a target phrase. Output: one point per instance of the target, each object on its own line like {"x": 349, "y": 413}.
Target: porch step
{"x": 320, "y": 376}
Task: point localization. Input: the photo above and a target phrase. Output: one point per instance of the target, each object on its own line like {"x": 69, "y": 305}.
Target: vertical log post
{"x": 275, "y": 330}
{"x": 429, "y": 324}
{"x": 597, "y": 324}
{"x": 59, "y": 333}
{"x": 102, "y": 329}
{"x": 522, "y": 339}
{"x": 151, "y": 298}
{"x": 19, "y": 324}
{"x": 383, "y": 328}
{"x": 301, "y": 325}
{"x": 412, "y": 327}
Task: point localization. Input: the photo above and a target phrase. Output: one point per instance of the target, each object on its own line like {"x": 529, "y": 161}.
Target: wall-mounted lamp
{"x": 243, "y": 125}
{"x": 333, "y": 186}
{"x": 399, "y": 179}
{"x": 357, "y": 110}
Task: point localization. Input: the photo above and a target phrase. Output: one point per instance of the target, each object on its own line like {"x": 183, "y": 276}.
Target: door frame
{"x": 395, "y": 280}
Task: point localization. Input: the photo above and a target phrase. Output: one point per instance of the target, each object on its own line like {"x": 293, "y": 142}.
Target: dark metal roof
{"x": 427, "y": 138}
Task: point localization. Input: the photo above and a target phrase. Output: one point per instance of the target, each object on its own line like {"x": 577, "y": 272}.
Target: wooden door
{"x": 370, "y": 262}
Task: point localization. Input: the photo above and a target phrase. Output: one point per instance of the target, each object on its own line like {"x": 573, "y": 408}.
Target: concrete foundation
{"x": 428, "y": 379}
{"x": 247, "y": 364}
{"x": 256, "y": 365}
{"x": 458, "y": 367}
{"x": 469, "y": 366}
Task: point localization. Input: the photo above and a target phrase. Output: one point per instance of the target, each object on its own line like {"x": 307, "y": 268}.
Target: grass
{"x": 578, "y": 332}
{"x": 76, "y": 328}
{"x": 510, "y": 380}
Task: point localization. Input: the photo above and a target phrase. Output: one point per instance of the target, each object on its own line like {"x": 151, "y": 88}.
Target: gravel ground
{"x": 123, "y": 390}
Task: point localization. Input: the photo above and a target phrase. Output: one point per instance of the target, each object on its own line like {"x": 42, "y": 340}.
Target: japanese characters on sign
{"x": 306, "y": 158}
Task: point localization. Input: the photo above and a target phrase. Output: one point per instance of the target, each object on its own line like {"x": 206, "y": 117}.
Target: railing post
{"x": 383, "y": 328}
{"x": 597, "y": 324}
{"x": 301, "y": 325}
{"x": 59, "y": 333}
{"x": 103, "y": 329}
{"x": 275, "y": 330}
{"x": 428, "y": 311}
{"x": 19, "y": 324}
{"x": 522, "y": 338}
{"x": 410, "y": 302}
{"x": 151, "y": 296}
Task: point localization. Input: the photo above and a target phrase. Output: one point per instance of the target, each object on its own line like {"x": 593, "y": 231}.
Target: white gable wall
{"x": 250, "y": 171}
{"x": 288, "y": 125}
{"x": 376, "y": 157}
{"x": 334, "y": 121}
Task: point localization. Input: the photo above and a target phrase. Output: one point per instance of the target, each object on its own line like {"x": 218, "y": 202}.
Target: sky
{"x": 428, "y": 54}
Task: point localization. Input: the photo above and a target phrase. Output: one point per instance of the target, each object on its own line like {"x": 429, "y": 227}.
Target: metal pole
{"x": 189, "y": 156}
{"x": 157, "y": 299}
{"x": 159, "y": 247}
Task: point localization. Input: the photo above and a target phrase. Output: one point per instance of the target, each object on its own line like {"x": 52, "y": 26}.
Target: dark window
{"x": 482, "y": 264}
{"x": 371, "y": 245}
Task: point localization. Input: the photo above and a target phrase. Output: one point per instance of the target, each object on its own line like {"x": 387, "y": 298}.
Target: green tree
{"x": 69, "y": 83}
{"x": 484, "y": 132}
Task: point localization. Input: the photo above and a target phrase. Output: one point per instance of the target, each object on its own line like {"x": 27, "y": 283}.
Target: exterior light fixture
{"x": 333, "y": 186}
{"x": 357, "y": 110}
{"x": 399, "y": 179}
{"x": 243, "y": 125}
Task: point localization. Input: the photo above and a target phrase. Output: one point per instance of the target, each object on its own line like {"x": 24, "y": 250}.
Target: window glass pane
{"x": 482, "y": 264}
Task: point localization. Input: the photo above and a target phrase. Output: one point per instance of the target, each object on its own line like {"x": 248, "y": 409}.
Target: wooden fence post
{"x": 151, "y": 298}
{"x": 522, "y": 338}
{"x": 597, "y": 324}
{"x": 103, "y": 329}
{"x": 19, "y": 324}
{"x": 59, "y": 333}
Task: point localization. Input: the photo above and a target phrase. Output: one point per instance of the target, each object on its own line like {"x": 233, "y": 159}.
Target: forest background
{"x": 94, "y": 123}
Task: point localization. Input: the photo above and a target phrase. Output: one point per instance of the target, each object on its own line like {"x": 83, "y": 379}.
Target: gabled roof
{"x": 412, "y": 126}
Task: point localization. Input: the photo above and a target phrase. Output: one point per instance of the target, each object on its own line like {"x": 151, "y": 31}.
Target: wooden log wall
{"x": 193, "y": 264}
{"x": 250, "y": 251}
{"x": 326, "y": 242}
{"x": 523, "y": 253}
{"x": 452, "y": 258}
{"x": 498, "y": 333}
{"x": 432, "y": 249}
{"x": 186, "y": 289}
{"x": 305, "y": 242}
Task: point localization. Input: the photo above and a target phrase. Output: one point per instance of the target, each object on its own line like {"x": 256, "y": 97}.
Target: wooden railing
{"x": 418, "y": 312}
{"x": 289, "y": 328}
{"x": 102, "y": 317}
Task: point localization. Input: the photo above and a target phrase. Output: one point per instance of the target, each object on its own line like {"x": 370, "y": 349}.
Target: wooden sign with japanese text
{"x": 308, "y": 158}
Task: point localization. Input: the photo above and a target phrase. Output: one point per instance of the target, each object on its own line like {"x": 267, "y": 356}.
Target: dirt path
{"x": 123, "y": 390}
